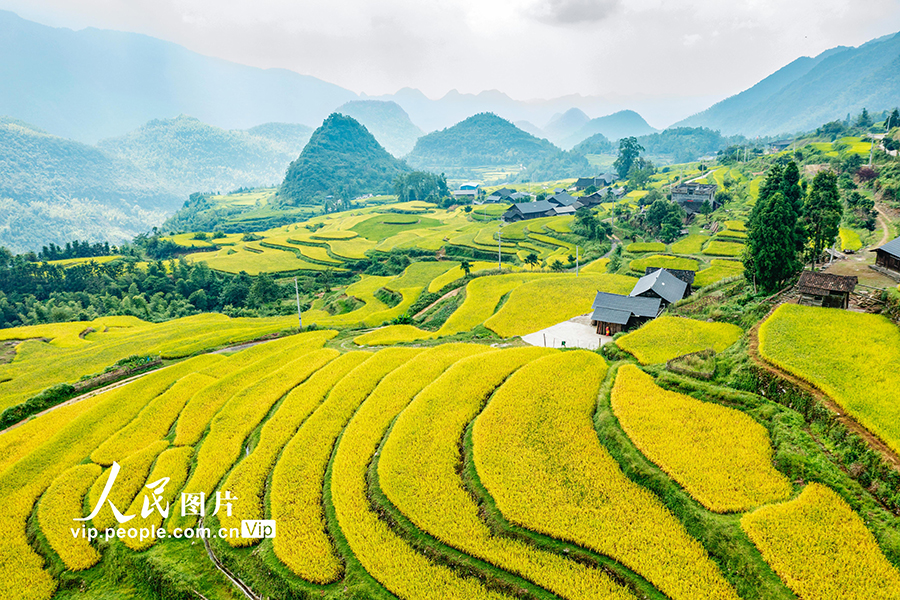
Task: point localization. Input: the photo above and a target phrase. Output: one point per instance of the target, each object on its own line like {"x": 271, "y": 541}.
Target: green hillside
{"x": 343, "y": 160}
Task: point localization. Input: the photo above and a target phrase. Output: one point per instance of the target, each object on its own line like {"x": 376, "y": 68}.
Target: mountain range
{"x": 810, "y": 91}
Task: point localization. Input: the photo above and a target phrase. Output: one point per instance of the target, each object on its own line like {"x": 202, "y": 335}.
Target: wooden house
{"x": 663, "y": 285}
{"x": 529, "y": 210}
{"x": 825, "y": 289}
{"x": 888, "y": 256}
{"x": 691, "y": 196}
{"x": 614, "y": 313}
{"x": 685, "y": 275}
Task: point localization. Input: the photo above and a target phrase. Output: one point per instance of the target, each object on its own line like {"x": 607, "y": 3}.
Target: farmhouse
{"x": 691, "y": 196}
{"x": 685, "y": 275}
{"x": 825, "y": 289}
{"x": 529, "y": 210}
{"x": 613, "y": 313}
{"x": 501, "y": 195}
{"x": 467, "y": 190}
{"x": 888, "y": 256}
{"x": 562, "y": 199}
{"x": 598, "y": 182}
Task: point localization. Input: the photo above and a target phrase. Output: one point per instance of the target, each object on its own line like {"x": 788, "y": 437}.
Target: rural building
{"x": 598, "y": 182}
{"x": 470, "y": 185}
{"x": 663, "y": 285}
{"x": 614, "y": 313}
{"x": 691, "y": 196}
{"x": 501, "y": 195}
{"x": 825, "y": 289}
{"x": 685, "y": 275}
{"x": 564, "y": 210}
{"x": 528, "y": 210}
{"x": 562, "y": 199}
{"x": 469, "y": 194}
{"x": 888, "y": 256}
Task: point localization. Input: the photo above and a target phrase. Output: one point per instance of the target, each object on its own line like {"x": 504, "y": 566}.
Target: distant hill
{"x": 487, "y": 140}
{"x": 56, "y": 190}
{"x": 674, "y": 145}
{"x": 386, "y": 121}
{"x": 564, "y": 125}
{"x": 342, "y": 159}
{"x": 625, "y": 123}
{"x": 811, "y": 91}
{"x": 93, "y": 84}
{"x": 482, "y": 139}
{"x": 191, "y": 156}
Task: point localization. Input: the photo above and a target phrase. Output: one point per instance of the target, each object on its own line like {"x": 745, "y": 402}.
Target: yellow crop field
{"x": 691, "y": 244}
{"x": 298, "y": 479}
{"x": 539, "y": 457}
{"x": 544, "y": 302}
{"x": 482, "y": 296}
{"x": 68, "y": 262}
{"x": 21, "y": 569}
{"x": 252, "y": 258}
{"x": 664, "y": 262}
{"x": 646, "y": 247}
{"x": 247, "y": 481}
{"x": 546, "y": 239}
{"x": 61, "y": 503}
{"x": 598, "y": 266}
{"x": 736, "y": 225}
{"x": 353, "y": 249}
{"x": 665, "y": 338}
{"x": 721, "y": 248}
{"x": 862, "y": 375}
{"x": 393, "y": 334}
{"x": 821, "y": 548}
{"x": 246, "y": 367}
{"x": 418, "y": 473}
{"x": 457, "y": 273}
{"x": 384, "y": 554}
{"x": 239, "y": 416}
{"x": 130, "y": 480}
{"x": 850, "y": 239}
{"x": 154, "y": 422}
{"x": 374, "y": 312}
{"x": 720, "y": 269}
{"x": 721, "y": 456}
{"x": 172, "y": 463}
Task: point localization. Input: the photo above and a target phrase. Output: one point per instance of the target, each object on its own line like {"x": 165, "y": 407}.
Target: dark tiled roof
{"x": 663, "y": 284}
{"x": 609, "y": 315}
{"x": 892, "y": 248}
{"x": 638, "y": 306}
{"x": 562, "y": 199}
{"x": 684, "y": 275}
{"x": 820, "y": 284}
{"x": 529, "y": 208}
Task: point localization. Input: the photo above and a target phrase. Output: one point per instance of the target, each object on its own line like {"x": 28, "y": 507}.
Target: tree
{"x": 531, "y": 260}
{"x": 640, "y": 172}
{"x": 629, "y": 150}
{"x": 893, "y": 120}
{"x": 771, "y": 256}
{"x": 264, "y": 290}
{"x": 557, "y": 266}
{"x": 822, "y": 213}
{"x": 466, "y": 266}
{"x": 864, "y": 120}
{"x": 706, "y": 208}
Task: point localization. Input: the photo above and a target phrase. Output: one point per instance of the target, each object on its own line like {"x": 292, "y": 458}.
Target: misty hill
{"x": 812, "y": 91}
{"x": 387, "y": 122}
{"x": 93, "y": 84}
{"x": 342, "y": 159}
{"x": 56, "y": 190}
{"x": 561, "y": 126}
{"x": 625, "y": 123}
{"x": 191, "y": 156}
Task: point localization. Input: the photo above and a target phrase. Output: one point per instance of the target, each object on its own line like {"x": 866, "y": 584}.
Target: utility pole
{"x": 576, "y": 261}
{"x": 500, "y": 246}
{"x": 297, "y": 292}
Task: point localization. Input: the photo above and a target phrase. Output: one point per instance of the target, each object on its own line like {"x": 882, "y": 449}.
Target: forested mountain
{"x": 191, "y": 156}
{"x": 56, "y": 190}
{"x": 343, "y": 160}
{"x": 564, "y": 125}
{"x": 675, "y": 145}
{"x": 812, "y": 91}
{"x": 386, "y": 121}
{"x": 93, "y": 84}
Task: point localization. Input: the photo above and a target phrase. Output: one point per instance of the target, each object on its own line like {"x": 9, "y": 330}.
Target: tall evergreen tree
{"x": 771, "y": 255}
{"x": 822, "y": 212}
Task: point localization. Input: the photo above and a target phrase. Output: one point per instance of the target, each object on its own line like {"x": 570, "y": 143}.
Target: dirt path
{"x": 84, "y": 396}
{"x": 874, "y": 442}
{"x": 884, "y": 220}
{"x": 449, "y": 294}
{"x": 243, "y": 587}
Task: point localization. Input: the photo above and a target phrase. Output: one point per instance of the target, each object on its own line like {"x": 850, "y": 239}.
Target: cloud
{"x": 569, "y": 12}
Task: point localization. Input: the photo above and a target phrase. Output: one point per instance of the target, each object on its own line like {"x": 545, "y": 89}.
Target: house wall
{"x": 887, "y": 261}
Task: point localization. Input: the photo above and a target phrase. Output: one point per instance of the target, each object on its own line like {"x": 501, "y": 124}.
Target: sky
{"x": 665, "y": 59}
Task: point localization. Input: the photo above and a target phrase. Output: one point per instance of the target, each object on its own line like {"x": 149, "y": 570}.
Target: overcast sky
{"x": 641, "y": 53}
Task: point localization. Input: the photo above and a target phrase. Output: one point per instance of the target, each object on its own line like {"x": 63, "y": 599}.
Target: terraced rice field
{"x": 863, "y": 377}
{"x": 664, "y": 262}
{"x": 665, "y": 338}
